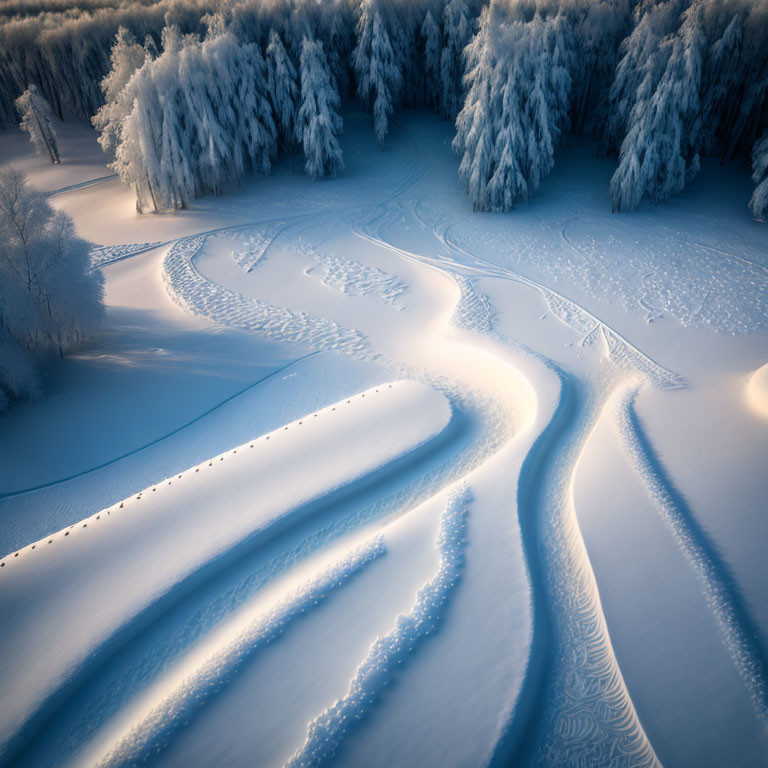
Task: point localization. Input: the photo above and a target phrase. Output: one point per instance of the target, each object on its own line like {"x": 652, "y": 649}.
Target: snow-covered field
{"x": 357, "y": 476}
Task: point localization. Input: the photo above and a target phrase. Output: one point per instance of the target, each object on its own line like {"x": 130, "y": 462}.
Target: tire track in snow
{"x": 135, "y": 669}
{"x": 742, "y": 636}
{"x": 574, "y": 708}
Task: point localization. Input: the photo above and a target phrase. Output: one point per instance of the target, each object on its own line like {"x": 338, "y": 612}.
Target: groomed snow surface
{"x": 355, "y": 476}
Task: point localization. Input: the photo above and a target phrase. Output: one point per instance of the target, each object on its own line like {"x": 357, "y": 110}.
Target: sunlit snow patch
{"x": 757, "y": 391}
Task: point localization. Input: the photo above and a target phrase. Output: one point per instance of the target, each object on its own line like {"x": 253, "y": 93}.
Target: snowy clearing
{"x": 504, "y": 500}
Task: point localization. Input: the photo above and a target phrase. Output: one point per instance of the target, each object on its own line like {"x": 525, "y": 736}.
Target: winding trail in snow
{"x": 595, "y": 720}
{"x": 574, "y": 707}
{"x": 234, "y": 644}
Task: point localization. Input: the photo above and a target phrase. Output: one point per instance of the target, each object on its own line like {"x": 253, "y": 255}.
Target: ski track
{"x": 147, "y": 644}
{"x": 81, "y": 185}
{"x": 152, "y": 734}
{"x": 742, "y": 637}
{"x": 327, "y": 731}
{"x": 257, "y": 241}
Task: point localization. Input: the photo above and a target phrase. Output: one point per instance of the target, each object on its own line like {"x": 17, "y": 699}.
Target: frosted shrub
{"x": 37, "y": 121}
{"x": 48, "y": 298}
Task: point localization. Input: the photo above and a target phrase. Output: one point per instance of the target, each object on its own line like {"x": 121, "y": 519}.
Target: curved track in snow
{"x": 573, "y": 707}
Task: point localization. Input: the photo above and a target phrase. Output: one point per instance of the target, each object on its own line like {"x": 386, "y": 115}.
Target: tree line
{"x": 188, "y": 93}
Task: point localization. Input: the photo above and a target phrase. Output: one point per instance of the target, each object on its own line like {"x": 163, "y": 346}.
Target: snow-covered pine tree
{"x": 476, "y": 124}
{"x": 254, "y": 125}
{"x": 457, "y": 31}
{"x": 508, "y": 184}
{"x": 432, "y": 35}
{"x": 379, "y": 78}
{"x": 37, "y": 121}
{"x": 516, "y": 107}
{"x": 759, "y": 201}
{"x": 662, "y": 138}
{"x": 49, "y": 299}
{"x": 283, "y": 87}
{"x": 126, "y": 57}
{"x": 742, "y": 81}
{"x": 318, "y": 124}
{"x": 176, "y": 180}
{"x": 640, "y": 65}
{"x": 206, "y": 80}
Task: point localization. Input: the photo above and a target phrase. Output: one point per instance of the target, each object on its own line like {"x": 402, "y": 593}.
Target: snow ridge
{"x": 190, "y": 290}
{"x": 155, "y": 730}
{"x": 742, "y": 636}
{"x": 326, "y": 732}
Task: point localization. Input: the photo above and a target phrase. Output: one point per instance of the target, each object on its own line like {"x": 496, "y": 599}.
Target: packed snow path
{"x": 288, "y": 629}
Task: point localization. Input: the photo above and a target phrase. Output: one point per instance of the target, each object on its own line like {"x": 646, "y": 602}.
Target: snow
{"x": 252, "y": 490}
{"x": 570, "y": 461}
{"x": 757, "y": 390}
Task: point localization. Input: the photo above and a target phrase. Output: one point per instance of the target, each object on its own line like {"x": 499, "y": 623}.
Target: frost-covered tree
{"x": 318, "y": 124}
{"x": 659, "y": 155}
{"x": 516, "y": 107}
{"x": 379, "y": 78}
{"x": 457, "y": 26}
{"x": 282, "y": 86}
{"x": 126, "y": 57}
{"x": 196, "y": 119}
{"x": 49, "y": 300}
{"x": 759, "y": 201}
{"x": 431, "y": 34}
{"x": 692, "y": 79}
{"x": 37, "y": 121}
{"x": 639, "y": 66}
{"x": 477, "y": 123}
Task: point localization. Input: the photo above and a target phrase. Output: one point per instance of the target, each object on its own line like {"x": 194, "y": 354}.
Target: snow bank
{"x": 326, "y": 732}
{"x": 202, "y": 678}
{"x": 123, "y": 560}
